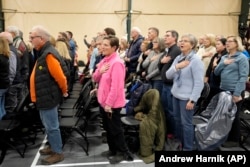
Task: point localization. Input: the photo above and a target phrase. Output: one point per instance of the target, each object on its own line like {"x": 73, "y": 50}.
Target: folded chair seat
{"x": 78, "y": 124}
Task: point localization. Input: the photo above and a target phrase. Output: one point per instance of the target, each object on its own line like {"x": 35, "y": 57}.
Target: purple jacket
{"x": 111, "y": 83}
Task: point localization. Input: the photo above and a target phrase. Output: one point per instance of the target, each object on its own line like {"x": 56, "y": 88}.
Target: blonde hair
{"x": 238, "y": 40}
{"x": 124, "y": 43}
{"x": 29, "y": 46}
{"x": 211, "y": 38}
{"x": 4, "y": 47}
{"x": 61, "y": 47}
{"x": 52, "y": 40}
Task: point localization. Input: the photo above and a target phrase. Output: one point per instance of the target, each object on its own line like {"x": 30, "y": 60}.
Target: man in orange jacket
{"x": 47, "y": 86}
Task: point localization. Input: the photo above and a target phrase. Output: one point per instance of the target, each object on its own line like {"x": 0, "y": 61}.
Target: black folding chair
{"x": 10, "y": 131}
{"x": 81, "y": 95}
{"x": 74, "y": 111}
{"x": 245, "y": 119}
{"x": 78, "y": 124}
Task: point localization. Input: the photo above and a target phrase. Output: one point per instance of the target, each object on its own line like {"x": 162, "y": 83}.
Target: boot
{"x": 52, "y": 159}
{"x": 46, "y": 151}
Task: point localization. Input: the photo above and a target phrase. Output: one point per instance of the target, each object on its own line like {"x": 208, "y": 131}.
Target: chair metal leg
{"x": 15, "y": 148}
{"x": 246, "y": 131}
{"x": 67, "y": 136}
{"x": 3, "y": 153}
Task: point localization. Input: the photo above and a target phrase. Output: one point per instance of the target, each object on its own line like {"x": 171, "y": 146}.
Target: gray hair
{"x": 41, "y": 31}
{"x": 193, "y": 40}
{"x": 7, "y": 36}
{"x": 161, "y": 44}
{"x": 136, "y": 29}
{"x": 13, "y": 29}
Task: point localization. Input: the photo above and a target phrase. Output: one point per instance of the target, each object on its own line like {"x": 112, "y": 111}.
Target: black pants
{"x": 234, "y": 134}
{"x": 212, "y": 93}
{"x": 113, "y": 126}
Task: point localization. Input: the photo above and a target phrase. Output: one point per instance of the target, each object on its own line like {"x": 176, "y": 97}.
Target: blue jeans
{"x": 50, "y": 121}
{"x": 2, "y": 103}
{"x": 156, "y": 84}
{"x": 167, "y": 103}
{"x": 183, "y": 125}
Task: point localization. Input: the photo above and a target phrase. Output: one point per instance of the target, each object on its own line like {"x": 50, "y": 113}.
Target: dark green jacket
{"x": 153, "y": 125}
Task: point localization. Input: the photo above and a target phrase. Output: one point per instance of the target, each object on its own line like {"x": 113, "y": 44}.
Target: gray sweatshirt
{"x": 153, "y": 72}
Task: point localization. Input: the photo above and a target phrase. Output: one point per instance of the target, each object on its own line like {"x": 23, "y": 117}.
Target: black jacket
{"x": 173, "y": 51}
{"x": 133, "y": 53}
{"x": 213, "y": 80}
{"x": 18, "y": 78}
{"x": 4, "y": 72}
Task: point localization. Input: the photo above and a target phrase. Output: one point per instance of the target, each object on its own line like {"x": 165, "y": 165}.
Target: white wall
{"x": 91, "y": 16}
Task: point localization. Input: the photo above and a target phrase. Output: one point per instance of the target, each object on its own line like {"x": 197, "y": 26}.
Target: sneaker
{"x": 52, "y": 159}
{"x": 46, "y": 151}
{"x": 108, "y": 154}
{"x": 230, "y": 144}
{"x": 121, "y": 157}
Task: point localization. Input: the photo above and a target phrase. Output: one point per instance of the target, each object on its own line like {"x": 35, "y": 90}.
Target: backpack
{"x": 136, "y": 92}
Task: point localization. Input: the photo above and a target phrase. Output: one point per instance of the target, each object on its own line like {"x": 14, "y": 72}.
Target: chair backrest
{"x": 83, "y": 110}
{"x": 84, "y": 99}
{"x": 205, "y": 91}
{"x": 82, "y": 95}
{"x": 200, "y": 103}
{"x": 21, "y": 103}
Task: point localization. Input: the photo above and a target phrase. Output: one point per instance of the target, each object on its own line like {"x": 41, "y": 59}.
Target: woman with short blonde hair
{"x": 208, "y": 50}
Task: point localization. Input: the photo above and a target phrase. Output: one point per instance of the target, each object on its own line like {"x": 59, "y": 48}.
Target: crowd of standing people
{"x": 45, "y": 68}
{"x": 178, "y": 69}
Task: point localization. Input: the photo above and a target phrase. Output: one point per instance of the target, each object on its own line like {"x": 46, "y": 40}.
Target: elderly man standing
{"x": 47, "y": 86}
{"x": 134, "y": 51}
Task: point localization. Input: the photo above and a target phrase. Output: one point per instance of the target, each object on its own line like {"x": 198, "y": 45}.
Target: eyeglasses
{"x": 34, "y": 37}
{"x": 185, "y": 41}
{"x": 230, "y": 41}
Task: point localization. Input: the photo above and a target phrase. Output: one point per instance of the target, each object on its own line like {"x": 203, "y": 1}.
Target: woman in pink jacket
{"x": 110, "y": 76}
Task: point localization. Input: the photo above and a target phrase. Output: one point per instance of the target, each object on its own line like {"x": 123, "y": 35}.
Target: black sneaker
{"x": 121, "y": 157}
{"x": 109, "y": 154}
{"x": 229, "y": 144}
